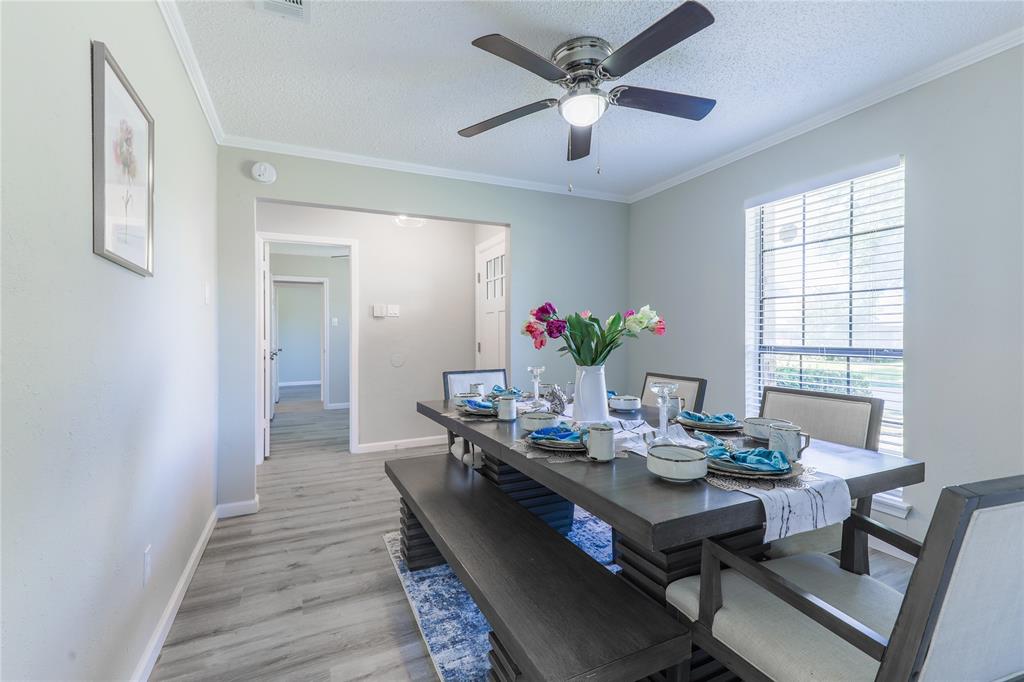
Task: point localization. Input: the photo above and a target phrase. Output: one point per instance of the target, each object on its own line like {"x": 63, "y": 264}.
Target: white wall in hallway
{"x": 300, "y": 319}
{"x": 337, "y": 272}
{"x": 109, "y": 409}
{"x": 963, "y": 137}
{"x": 546, "y": 229}
{"x": 428, "y": 272}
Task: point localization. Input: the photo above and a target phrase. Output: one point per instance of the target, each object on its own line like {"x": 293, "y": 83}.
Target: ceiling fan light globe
{"x": 583, "y": 107}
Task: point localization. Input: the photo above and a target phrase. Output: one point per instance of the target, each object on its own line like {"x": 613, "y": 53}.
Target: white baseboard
{"x": 163, "y": 626}
{"x": 298, "y": 383}
{"x": 229, "y": 509}
{"x": 382, "y": 446}
{"x": 336, "y": 406}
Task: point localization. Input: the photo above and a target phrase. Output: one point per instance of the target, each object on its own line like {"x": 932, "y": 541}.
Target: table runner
{"x": 796, "y": 505}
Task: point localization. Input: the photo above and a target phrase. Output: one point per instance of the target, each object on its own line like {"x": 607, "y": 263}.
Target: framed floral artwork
{"x": 122, "y": 173}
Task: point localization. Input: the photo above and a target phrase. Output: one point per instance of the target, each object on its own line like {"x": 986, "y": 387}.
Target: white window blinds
{"x": 825, "y": 294}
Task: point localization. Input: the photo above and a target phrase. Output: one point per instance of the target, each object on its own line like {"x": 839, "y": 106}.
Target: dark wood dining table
{"x": 659, "y": 525}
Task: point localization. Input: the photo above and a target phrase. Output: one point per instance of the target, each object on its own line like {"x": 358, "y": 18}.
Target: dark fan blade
{"x": 661, "y": 102}
{"x": 508, "y": 117}
{"x": 674, "y": 27}
{"x": 501, "y": 46}
{"x": 579, "y": 142}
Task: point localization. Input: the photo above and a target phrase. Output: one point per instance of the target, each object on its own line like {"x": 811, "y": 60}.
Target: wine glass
{"x": 663, "y": 389}
{"x": 535, "y": 372}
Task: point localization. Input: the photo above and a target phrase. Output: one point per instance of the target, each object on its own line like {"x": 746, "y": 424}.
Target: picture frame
{"x": 122, "y": 172}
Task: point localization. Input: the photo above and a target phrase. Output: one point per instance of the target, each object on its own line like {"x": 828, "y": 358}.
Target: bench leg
{"x": 551, "y": 507}
{"x": 503, "y": 668}
{"x": 418, "y": 550}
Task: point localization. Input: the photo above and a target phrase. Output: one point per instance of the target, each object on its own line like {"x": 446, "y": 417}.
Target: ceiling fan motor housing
{"x": 580, "y": 57}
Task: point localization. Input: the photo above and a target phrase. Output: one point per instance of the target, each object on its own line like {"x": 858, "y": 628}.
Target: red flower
{"x": 659, "y": 328}
{"x": 545, "y": 312}
{"x": 539, "y": 342}
{"x": 556, "y": 328}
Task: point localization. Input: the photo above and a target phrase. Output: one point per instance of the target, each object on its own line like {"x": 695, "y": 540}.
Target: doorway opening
{"x": 305, "y": 342}
{"x": 419, "y": 306}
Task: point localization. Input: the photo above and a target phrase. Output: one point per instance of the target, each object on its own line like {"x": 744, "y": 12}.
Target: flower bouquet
{"x": 589, "y": 343}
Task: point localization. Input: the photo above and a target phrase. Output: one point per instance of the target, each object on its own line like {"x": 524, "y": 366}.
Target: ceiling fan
{"x": 580, "y": 65}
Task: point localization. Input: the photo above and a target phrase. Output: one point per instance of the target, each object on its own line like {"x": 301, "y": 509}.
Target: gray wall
{"x": 962, "y": 137}
{"x": 109, "y": 379}
{"x": 548, "y": 229}
{"x": 428, "y": 272}
{"x": 337, "y": 272}
{"x": 300, "y": 323}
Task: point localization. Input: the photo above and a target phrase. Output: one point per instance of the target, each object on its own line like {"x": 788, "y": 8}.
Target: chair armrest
{"x": 890, "y": 536}
{"x": 837, "y": 622}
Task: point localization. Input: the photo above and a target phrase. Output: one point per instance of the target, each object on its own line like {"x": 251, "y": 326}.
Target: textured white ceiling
{"x": 396, "y": 80}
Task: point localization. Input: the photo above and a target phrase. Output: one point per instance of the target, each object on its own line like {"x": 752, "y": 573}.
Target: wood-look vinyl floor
{"x": 304, "y": 590}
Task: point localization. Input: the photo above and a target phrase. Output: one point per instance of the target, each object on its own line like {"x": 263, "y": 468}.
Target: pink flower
{"x": 533, "y": 329}
{"x": 585, "y": 314}
{"x": 629, "y": 313}
{"x": 659, "y": 328}
{"x": 539, "y": 341}
{"x": 545, "y": 312}
{"x": 556, "y": 328}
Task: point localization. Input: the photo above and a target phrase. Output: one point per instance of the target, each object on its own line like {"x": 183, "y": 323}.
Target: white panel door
{"x": 491, "y": 284}
{"x": 275, "y": 351}
{"x": 267, "y": 390}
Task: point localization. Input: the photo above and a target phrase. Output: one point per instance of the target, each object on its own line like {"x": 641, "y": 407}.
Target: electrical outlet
{"x": 334, "y": 322}
{"x": 147, "y": 565}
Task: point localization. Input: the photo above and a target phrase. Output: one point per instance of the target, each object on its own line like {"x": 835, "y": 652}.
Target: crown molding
{"x": 169, "y": 10}
{"x": 176, "y": 27}
{"x": 937, "y": 70}
{"x": 389, "y": 164}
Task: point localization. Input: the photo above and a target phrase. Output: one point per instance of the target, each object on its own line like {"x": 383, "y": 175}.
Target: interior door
{"x": 267, "y": 389}
{"x": 491, "y": 279}
{"x": 275, "y": 351}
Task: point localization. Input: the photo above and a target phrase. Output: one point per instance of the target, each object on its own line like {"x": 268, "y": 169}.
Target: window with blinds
{"x": 825, "y": 294}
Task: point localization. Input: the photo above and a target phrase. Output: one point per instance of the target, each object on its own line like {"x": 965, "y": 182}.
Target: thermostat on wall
{"x": 263, "y": 172}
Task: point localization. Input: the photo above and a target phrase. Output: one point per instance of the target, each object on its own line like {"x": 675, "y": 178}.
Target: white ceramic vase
{"x": 590, "y": 398}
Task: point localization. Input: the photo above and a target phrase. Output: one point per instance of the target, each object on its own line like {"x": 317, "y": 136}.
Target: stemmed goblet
{"x": 664, "y": 390}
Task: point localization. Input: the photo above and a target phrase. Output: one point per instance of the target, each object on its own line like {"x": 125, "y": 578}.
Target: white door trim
{"x": 325, "y": 331}
{"x": 353, "y": 354}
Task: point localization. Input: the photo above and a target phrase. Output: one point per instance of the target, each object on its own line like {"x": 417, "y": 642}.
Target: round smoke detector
{"x": 263, "y": 172}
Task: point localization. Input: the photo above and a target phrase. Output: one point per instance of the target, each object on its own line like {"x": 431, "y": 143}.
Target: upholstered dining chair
{"x": 459, "y": 380}
{"x": 691, "y": 390}
{"x": 846, "y": 419}
{"x": 806, "y": 617}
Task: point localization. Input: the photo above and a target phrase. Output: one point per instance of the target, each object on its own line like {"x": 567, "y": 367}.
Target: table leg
{"x": 418, "y": 550}
{"x": 857, "y": 561}
{"x": 551, "y": 507}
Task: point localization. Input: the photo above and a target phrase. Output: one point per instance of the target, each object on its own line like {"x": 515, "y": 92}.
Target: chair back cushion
{"x": 458, "y": 381}
{"x": 979, "y": 632}
{"x": 833, "y": 418}
{"x": 689, "y": 390}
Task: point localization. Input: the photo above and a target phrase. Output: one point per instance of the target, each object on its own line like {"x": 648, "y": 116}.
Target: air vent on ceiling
{"x": 297, "y": 10}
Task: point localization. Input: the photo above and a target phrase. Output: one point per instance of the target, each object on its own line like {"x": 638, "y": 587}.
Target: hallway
{"x": 303, "y": 589}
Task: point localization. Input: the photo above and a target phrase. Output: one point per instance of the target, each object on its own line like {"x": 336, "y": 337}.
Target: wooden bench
{"x": 556, "y": 614}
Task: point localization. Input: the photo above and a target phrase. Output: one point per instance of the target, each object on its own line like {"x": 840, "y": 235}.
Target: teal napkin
{"x": 499, "y": 391}
{"x": 724, "y": 418}
{"x": 559, "y": 432}
{"x": 756, "y": 459}
{"x": 480, "y": 404}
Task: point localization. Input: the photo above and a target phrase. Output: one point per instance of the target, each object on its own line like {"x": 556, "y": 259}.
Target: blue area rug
{"x": 452, "y": 626}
